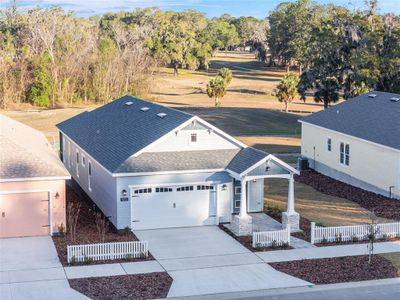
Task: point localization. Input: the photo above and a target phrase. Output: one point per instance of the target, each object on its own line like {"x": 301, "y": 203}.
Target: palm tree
{"x": 286, "y": 91}
{"x": 216, "y": 88}
{"x": 226, "y": 74}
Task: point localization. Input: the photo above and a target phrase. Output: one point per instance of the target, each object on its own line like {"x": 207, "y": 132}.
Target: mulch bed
{"x": 86, "y": 231}
{"x": 382, "y": 206}
{"x": 338, "y": 269}
{"x": 247, "y": 241}
{"x": 142, "y": 286}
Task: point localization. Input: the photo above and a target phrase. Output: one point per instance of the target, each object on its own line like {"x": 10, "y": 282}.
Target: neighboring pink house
{"x": 32, "y": 182}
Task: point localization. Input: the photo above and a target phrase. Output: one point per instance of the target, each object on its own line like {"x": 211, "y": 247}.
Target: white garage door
{"x": 173, "y": 206}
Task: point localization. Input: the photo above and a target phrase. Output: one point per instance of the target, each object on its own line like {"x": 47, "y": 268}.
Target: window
{"x": 238, "y": 190}
{"x": 69, "y": 154}
{"x": 163, "y": 190}
{"x": 143, "y": 191}
{"x": 237, "y": 203}
{"x": 345, "y": 154}
{"x": 77, "y": 164}
{"x": 90, "y": 176}
{"x": 185, "y": 188}
{"x": 329, "y": 144}
{"x": 205, "y": 187}
{"x": 83, "y": 160}
{"x": 193, "y": 138}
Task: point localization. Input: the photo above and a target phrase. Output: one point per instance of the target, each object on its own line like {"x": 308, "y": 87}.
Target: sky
{"x": 213, "y": 8}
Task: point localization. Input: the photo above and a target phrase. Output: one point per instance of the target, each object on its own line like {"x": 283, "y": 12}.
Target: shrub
{"x": 338, "y": 238}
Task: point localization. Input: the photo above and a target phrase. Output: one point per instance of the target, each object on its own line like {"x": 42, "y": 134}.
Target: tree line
{"x": 49, "y": 56}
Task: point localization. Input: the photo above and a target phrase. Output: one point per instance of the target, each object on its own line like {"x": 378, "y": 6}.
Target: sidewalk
{"x": 113, "y": 269}
{"x": 327, "y": 252}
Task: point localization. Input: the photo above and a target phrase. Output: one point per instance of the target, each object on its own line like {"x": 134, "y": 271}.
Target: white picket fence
{"x": 268, "y": 238}
{"x": 107, "y": 251}
{"x": 353, "y": 232}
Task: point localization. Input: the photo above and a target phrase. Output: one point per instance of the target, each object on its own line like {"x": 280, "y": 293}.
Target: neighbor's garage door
{"x": 173, "y": 206}
{"x": 24, "y": 214}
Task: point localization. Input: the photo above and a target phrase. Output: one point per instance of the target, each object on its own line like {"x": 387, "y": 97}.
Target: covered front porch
{"x": 250, "y": 177}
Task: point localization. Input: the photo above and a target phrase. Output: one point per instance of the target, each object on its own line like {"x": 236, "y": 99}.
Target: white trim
{"x": 35, "y": 178}
{"x": 270, "y": 157}
{"x": 50, "y": 205}
{"x": 166, "y": 172}
{"x": 283, "y": 176}
{"x": 153, "y": 185}
{"x": 351, "y": 136}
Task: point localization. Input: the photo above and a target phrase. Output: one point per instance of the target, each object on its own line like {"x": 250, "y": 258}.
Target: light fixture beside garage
{"x": 224, "y": 187}
{"x": 57, "y": 195}
{"x": 124, "y": 196}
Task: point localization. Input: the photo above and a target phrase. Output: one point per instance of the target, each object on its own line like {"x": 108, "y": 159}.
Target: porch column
{"x": 290, "y": 216}
{"x": 290, "y": 205}
{"x": 243, "y": 199}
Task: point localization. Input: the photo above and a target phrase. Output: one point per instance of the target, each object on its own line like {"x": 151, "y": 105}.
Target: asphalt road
{"x": 387, "y": 289}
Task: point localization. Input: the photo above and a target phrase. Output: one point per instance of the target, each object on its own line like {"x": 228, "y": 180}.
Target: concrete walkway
{"x": 326, "y": 252}
{"x": 142, "y": 267}
{"x": 30, "y": 269}
{"x": 205, "y": 260}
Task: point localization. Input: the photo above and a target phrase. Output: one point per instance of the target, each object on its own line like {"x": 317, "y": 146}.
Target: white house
{"x": 357, "y": 142}
{"x": 148, "y": 166}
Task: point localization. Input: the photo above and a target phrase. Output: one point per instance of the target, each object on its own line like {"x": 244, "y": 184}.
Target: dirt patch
{"x": 380, "y": 205}
{"x": 247, "y": 241}
{"x": 141, "y": 286}
{"x": 86, "y": 231}
{"x": 338, "y": 269}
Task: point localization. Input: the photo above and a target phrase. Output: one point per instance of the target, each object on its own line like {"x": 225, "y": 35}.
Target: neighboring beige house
{"x": 32, "y": 182}
{"x": 357, "y": 142}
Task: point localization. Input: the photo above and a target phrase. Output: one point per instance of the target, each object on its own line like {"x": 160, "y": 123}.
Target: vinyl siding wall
{"x": 206, "y": 140}
{"x": 372, "y": 167}
{"x": 103, "y": 185}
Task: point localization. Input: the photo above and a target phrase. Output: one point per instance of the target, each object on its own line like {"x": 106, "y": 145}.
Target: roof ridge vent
{"x": 395, "y": 99}
{"x": 145, "y": 108}
{"x": 129, "y": 103}
{"x": 372, "y": 95}
{"x": 161, "y": 115}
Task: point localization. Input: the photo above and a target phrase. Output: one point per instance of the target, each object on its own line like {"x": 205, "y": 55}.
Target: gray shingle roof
{"x": 372, "y": 119}
{"x": 246, "y": 158}
{"x": 26, "y": 153}
{"x": 114, "y": 132}
{"x": 178, "y": 161}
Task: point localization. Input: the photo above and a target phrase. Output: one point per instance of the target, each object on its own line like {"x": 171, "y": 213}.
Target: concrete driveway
{"x": 30, "y": 269}
{"x": 206, "y": 260}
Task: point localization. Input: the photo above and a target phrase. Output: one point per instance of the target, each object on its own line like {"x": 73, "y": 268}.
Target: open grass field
{"x": 315, "y": 206}
{"x": 252, "y": 85}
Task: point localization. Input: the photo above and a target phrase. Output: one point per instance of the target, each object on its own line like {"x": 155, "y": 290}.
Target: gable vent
{"x": 395, "y": 99}
{"x": 129, "y": 103}
{"x": 372, "y": 95}
{"x": 161, "y": 115}
{"x": 145, "y": 109}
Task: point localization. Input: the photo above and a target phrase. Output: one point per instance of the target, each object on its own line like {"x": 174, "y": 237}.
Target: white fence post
{"x": 312, "y": 233}
{"x": 288, "y": 234}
